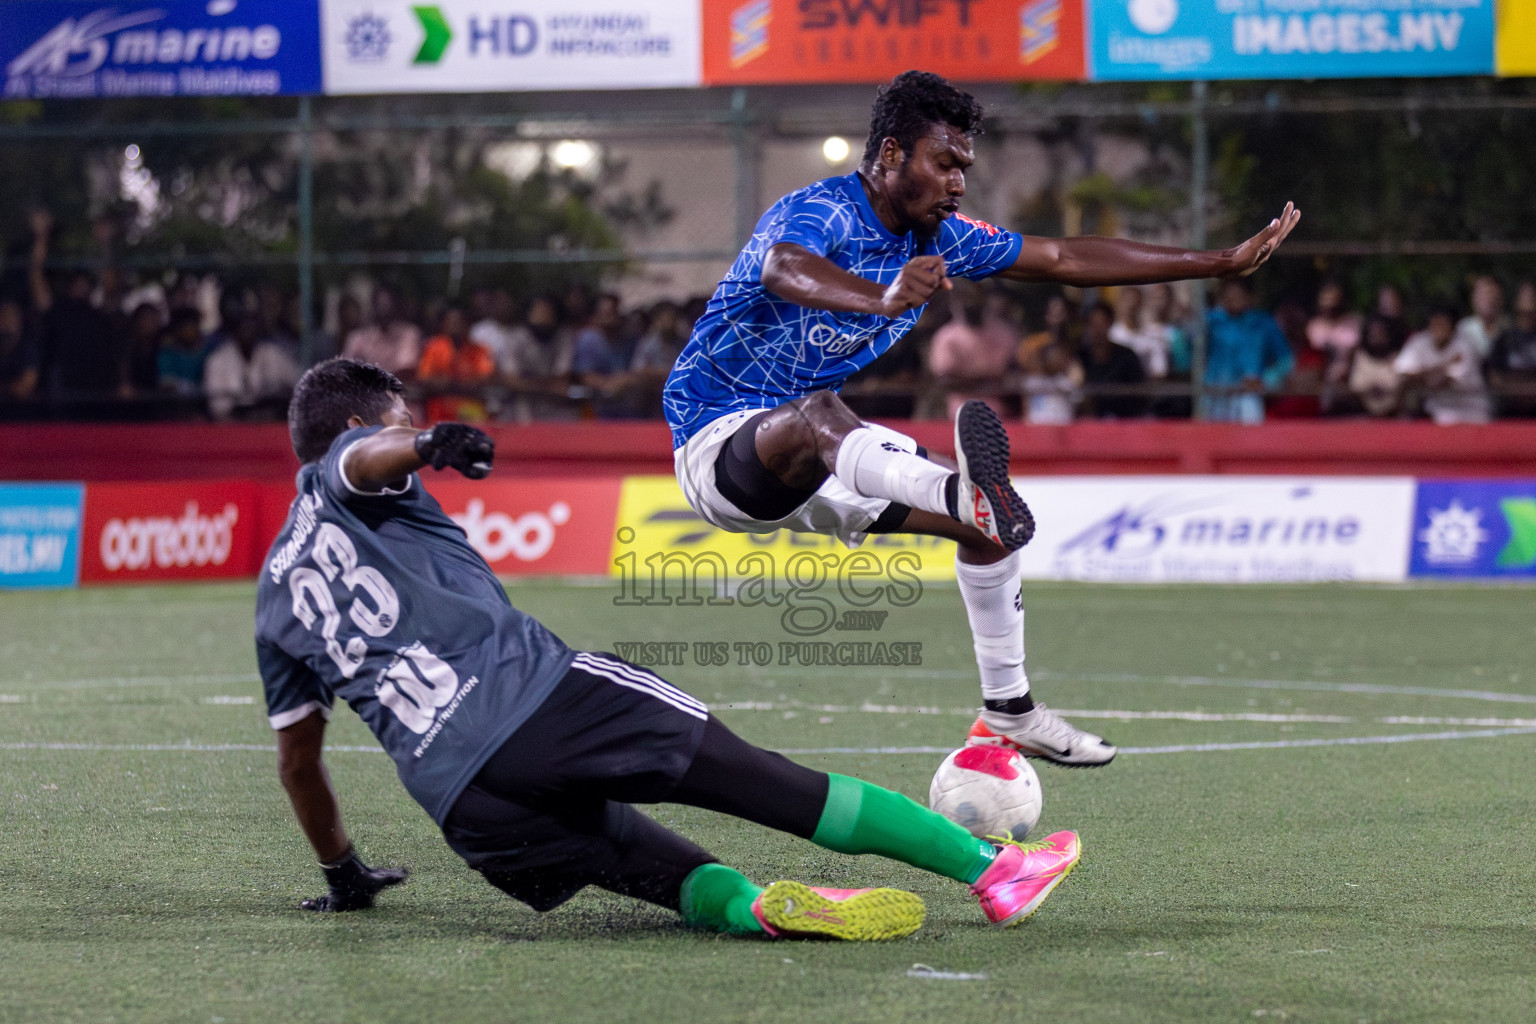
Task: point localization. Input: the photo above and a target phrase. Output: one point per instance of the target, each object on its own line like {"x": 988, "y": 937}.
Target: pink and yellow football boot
{"x": 1023, "y": 875}
{"x": 796, "y": 910}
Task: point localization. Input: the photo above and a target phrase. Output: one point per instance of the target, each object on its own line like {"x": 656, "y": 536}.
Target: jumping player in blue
{"x": 526, "y": 753}
{"x": 835, "y": 274}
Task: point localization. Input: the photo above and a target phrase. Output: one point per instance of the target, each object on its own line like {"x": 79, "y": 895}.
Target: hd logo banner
{"x": 66, "y": 49}
{"x": 40, "y": 534}
{"x": 1474, "y": 528}
{"x": 809, "y": 41}
{"x": 399, "y": 46}
{"x": 1190, "y": 39}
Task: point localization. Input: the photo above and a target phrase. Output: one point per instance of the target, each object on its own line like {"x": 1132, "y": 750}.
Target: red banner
{"x": 750, "y": 42}
{"x": 536, "y": 526}
{"x": 191, "y": 530}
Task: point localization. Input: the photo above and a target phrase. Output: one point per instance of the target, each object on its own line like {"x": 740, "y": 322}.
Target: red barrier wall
{"x": 260, "y": 452}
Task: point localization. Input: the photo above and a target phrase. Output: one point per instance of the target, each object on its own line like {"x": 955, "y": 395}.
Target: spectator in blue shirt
{"x": 1246, "y": 355}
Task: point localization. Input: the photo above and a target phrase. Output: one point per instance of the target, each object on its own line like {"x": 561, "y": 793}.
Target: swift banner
{"x": 771, "y": 41}
{"x": 68, "y": 49}
{"x": 399, "y": 46}
{"x": 1152, "y": 39}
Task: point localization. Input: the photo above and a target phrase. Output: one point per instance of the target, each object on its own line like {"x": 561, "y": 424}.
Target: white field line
{"x": 1130, "y": 716}
{"x": 1187, "y": 748}
{"x": 1495, "y": 696}
{"x": 1124, "y": 716}
{"x": 130, "y": 681}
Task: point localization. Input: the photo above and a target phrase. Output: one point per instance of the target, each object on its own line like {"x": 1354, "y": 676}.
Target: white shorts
{"x": 833, "y": 509}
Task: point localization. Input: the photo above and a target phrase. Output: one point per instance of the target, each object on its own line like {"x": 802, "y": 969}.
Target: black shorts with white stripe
{"x": 545, "y": 816}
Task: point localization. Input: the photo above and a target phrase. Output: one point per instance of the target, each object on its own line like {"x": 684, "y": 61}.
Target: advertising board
{"x": 1152, "y": 39}
{"x": 40, "y": 535}
{"x": 61, "y": 49}
{"x": 809, "y": 41}
{"x": 398, "y": 46}
{"x": 535, "y": 526}
{"x": 194, "y": 530}
{"x": 1474, "y": 528}
{"x": 1218, "y": 529}
{"x": 1515, "y": 48}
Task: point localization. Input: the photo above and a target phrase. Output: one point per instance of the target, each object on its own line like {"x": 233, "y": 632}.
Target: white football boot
{"x": 1042, "y": 733}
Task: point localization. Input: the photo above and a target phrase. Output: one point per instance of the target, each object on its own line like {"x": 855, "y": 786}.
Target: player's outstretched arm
{"x": 794, "y": 273}
{"x": 353, "y": 884}
{"x": 394, "y": 453}
{"x": 1087, "y": 262}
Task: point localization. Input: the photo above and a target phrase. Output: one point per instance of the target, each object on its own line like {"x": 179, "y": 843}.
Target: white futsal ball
{"x": 992, "y": 791}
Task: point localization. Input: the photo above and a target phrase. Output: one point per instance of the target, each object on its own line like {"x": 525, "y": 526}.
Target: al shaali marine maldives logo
{"x": 368, "y": 36}
{"x": 1453, "y": 535}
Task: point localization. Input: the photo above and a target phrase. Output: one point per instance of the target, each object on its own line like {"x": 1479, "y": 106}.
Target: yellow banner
{"x": 1516, "y": 41}
{"x": 662, "y": 548}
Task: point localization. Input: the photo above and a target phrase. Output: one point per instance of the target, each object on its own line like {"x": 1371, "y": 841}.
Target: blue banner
{"x": 1137, "y": 40}
{"x": 66, "y": 49}
{"x": 1482, "y": 528}
{"x": 40, "y": 534}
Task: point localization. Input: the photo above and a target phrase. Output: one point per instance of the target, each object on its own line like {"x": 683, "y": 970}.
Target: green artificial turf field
{"x": 150, "y": 869}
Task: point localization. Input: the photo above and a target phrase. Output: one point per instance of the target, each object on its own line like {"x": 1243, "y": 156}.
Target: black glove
{"x": 353, "y": 884}
{"x": 466, "y": 449}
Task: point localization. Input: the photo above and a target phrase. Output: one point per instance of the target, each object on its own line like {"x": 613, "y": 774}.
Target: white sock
{"x": 995, "y": 608}
{"x": 867, "y": 465}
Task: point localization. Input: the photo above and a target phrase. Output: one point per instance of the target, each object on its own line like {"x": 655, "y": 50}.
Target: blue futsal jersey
{"x": 379, "y": 598}
{"x": 754, "y": 350}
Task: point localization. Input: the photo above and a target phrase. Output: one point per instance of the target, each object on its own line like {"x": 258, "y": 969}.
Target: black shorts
{"x": 549, "y": 813}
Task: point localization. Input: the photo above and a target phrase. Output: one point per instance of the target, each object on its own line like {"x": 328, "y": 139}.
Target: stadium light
{"x": 835, "y": 150}
{"x": 573, "y": 154}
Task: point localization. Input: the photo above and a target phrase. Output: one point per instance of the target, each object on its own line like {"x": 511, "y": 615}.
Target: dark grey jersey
{"x": 378, "y": 598}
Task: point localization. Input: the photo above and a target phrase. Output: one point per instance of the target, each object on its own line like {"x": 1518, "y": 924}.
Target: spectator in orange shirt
{"x": 453, "y": 369}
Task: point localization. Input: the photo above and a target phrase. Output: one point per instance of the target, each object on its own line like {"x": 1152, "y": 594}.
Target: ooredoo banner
{"x": 771, "y": 41}
{"x": 399, "y": 46}
{"x": 1153, "y": 39}
{"x": 535, "y": 526}
{"x": 1218, "y": 529}
{"x": 138, "y": 533}
{"x": 39, "y": 535}
{"x": 62, "y": 49}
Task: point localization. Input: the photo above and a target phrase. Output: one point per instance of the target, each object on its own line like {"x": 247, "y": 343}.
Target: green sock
{"x": 720, "y": 899}
{"x": 861, "y": 817}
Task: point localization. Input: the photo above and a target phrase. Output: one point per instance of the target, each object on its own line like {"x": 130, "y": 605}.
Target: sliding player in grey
{"x": 527, "y": 754}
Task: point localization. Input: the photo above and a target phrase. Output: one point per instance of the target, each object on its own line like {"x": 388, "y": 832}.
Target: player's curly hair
{"x": 329, "y": 394}
{"x": 913, "y": 102}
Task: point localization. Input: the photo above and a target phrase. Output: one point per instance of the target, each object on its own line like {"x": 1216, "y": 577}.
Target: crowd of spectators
{"x": 82, "y": 345}
{"x": 1130, "y": 353}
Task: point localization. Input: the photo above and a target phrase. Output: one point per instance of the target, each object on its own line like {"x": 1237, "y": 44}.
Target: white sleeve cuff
{"x": 341, "y": 471}
{"x": 283, "y": 719}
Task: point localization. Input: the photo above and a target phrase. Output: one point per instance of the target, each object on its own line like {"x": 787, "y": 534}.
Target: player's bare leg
{"x": 805, "y": 441}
